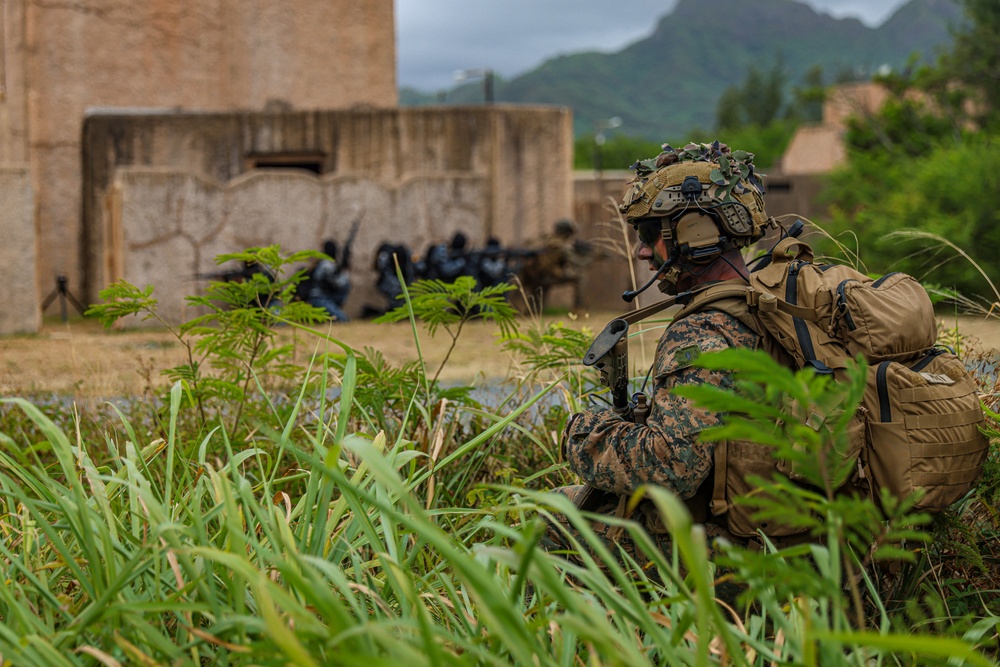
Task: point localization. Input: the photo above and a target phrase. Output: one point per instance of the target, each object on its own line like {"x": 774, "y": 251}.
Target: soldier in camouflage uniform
{"x": 559, "y": 260}
{"x": 690, "y": 232}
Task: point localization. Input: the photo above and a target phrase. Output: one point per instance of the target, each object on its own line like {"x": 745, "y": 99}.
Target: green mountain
{"x": 670, "y": 82}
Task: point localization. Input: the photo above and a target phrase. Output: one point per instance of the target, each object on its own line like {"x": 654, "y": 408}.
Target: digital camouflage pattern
{"x": 615, "y": 455}
{"x": 618, "y": 456}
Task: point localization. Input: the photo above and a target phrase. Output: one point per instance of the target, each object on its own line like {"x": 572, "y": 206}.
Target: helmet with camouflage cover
{"x": 719, "y": 186}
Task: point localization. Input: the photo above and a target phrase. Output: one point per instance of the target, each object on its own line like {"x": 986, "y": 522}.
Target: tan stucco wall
{"x": 519, "y": 156}
{"x": 168, "y": 193}
{"x": 170, "y": 226}
{"x": 814, "y": 149}
{"x": 819, "y": 148}
{"x": 595, "y": 210}
{"x": 852, "y": 99}
{"x": 20, "y": 311}
{"x": 62, "y": 58}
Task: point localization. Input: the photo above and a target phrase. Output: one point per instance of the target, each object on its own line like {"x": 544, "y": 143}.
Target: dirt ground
{"x": 79, "y": 358}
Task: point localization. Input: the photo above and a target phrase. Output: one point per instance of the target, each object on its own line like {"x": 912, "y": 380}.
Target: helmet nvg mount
{"x": 706, "y": 199}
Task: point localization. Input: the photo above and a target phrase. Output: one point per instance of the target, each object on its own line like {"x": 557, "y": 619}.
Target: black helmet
{"x": 565, "y": 227}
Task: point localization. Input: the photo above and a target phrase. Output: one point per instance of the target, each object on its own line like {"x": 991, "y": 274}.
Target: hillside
{"x": 669, "y": 83}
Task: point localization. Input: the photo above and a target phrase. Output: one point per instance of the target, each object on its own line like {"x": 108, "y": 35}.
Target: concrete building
{"x": 126, "y": 126}
{"x": 818, "y": 148}
{"x": 165, "y": 193}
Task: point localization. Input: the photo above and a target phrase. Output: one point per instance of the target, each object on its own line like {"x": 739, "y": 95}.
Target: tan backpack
{"x": 919, "y": 423}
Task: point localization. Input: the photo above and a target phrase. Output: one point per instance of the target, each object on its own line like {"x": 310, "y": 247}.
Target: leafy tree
{"x": 975, "y": 58}
{"x": 808, "y": 97}
{"x": 619, "y": 151}
{"x": 729, "y": 110}
{"x": 758, "y": 101}
{"x": 948, "y": 191}
{"x": 919, "y": 190}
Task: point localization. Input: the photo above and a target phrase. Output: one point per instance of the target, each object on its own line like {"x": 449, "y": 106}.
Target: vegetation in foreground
{"x": 351, "y": 511}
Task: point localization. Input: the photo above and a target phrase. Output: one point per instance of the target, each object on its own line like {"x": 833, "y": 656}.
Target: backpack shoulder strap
{"x": 699, "y": 298}
{"x": 735, "y": 298}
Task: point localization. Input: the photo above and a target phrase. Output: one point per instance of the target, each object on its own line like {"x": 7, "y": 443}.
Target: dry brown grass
{"x": 81, "y": 359}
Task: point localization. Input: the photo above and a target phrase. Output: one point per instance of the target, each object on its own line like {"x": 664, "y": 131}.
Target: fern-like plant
{"x": 231, "y": 347}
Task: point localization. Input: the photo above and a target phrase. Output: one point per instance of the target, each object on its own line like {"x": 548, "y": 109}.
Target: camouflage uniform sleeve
{"x": 618, "y": 456}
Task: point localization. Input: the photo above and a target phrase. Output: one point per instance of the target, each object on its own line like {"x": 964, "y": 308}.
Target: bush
{"x": 952, "y": 192}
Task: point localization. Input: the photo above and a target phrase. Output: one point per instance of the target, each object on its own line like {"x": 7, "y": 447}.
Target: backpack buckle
{"x": 767, "y": 303}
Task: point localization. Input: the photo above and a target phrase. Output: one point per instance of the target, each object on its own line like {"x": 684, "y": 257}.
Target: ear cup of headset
{"x": 697, "y": 236}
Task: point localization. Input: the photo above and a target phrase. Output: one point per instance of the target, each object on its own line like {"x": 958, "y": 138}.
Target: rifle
{"x": 512, "y": 253}
{"x": 345, "y": 259}
{"x": 222, "y": 276}
{"x": 609, "y": 355}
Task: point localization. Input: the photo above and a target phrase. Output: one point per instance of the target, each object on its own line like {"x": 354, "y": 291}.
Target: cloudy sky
{"x": 437, "y": 38}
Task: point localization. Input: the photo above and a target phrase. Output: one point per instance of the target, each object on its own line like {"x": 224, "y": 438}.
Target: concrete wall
{"x": 595, "y": 209}
{"x": 165, "y": 193}
{"x": 18, "y": 253}
{"x": 61, "y": 59}
{"x": 170, "y": 226}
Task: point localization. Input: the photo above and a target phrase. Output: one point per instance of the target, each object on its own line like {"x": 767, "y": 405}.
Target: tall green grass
{"x": 168, "y": 555}
{"x": 368, "y": 516}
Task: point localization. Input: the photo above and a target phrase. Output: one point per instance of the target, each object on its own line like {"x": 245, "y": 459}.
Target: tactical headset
{"x": 700, "y": 211}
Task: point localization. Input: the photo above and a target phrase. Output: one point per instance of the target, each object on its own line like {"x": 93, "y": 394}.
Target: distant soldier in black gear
{"x": 446, "y": 262}
{"x": 490, "y": 265}
{"x": 329, "y": 282}
{"x": 387, "y": 281}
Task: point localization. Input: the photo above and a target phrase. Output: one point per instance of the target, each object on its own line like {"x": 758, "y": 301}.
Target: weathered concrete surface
{"x": 171, "y": 226}
{"x": 18, "y": 253}
{"x": 62, "y": 59}
{"x": 411, "y": 175}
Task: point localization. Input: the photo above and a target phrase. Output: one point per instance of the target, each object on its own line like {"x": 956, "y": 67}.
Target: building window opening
{"x": 312, "y": 162}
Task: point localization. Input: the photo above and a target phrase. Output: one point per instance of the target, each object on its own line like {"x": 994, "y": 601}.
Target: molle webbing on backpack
{"x": 920, "y": 413}
{"x": 889, "y": 318}
{"x": 736, "y": 462}
{"x": 924, "y": 417}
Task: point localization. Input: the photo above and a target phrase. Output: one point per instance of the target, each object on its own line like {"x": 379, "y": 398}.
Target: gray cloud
{"x": 436, "y": 38}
